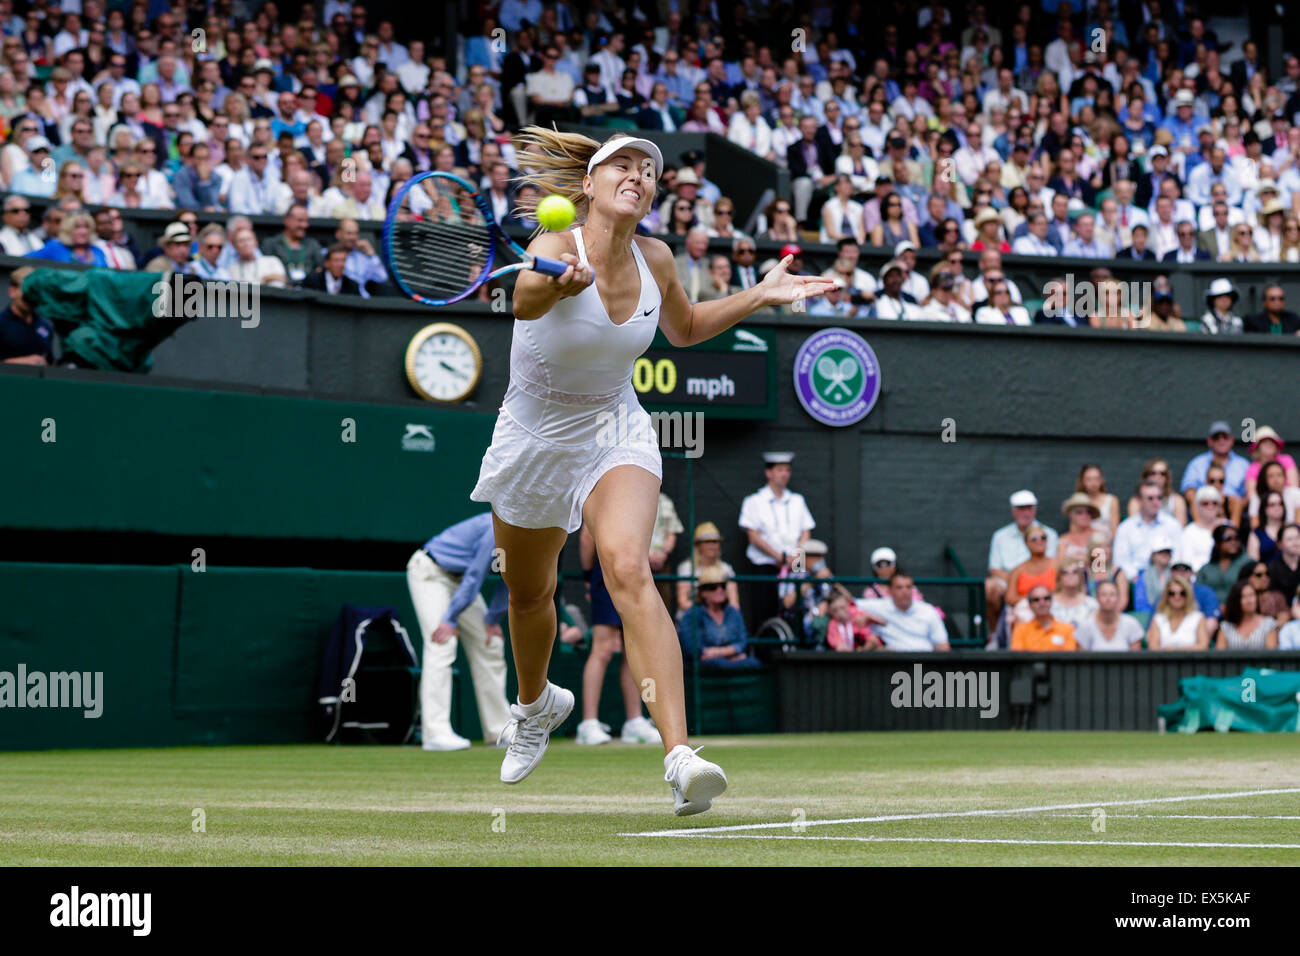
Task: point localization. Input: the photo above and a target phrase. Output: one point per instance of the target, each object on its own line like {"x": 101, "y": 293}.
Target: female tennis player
{"x": 555, "y": 459}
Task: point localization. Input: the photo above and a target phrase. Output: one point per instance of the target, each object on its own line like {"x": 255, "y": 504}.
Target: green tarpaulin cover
{"x": 1261, "y": 700}
{"x": 104, "y": 317}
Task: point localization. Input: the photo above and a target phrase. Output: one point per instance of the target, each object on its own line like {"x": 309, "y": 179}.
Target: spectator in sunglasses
{"x": 1044, "y": 632}
{"x": 1259, "y": 576}
{"x": 713, "y": 632}
{"x": 1197, "y": 472}
{"x": 1274, "y": 319}
{"x": 1177, "y": 624}
{"x": 1226, "y": 561}
{"x": 782, "y": 226}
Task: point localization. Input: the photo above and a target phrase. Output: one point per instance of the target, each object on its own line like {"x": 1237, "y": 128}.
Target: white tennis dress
{"x": 570, "y": 413}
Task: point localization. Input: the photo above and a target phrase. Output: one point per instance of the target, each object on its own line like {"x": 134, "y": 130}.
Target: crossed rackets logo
{"x": 834, "y": 375}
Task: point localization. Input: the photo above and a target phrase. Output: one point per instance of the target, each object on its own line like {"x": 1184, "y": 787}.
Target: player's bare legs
{"x": 529, "y": 570}
{"x": 530, "y": 558}
{"x": 620, "y": 513}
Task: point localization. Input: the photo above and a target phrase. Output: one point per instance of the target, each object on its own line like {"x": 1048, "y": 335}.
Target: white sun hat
{"x": 628, "y": 142}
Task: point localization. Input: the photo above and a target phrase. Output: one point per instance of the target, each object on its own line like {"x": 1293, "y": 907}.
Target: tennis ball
{"x": 555, "y": 213}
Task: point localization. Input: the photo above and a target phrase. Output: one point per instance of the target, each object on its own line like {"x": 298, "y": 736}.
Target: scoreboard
{"x": 731, "y": 376}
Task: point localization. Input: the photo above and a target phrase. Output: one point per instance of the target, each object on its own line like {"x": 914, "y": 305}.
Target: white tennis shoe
{"x": 592, "y": 732}
{"x": 694, "y": 780}
{"x": 452, "y": 741}
{"x": 532, "y": 735}
{"x": 639, "y": 730}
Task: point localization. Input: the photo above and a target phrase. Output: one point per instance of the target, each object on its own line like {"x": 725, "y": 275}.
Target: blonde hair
{"x": 555, "y": 163}
{"x": 1165, "y": 608}
{"x": 72, "y": 222}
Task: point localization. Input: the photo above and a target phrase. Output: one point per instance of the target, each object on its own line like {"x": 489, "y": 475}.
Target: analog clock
{"x": 443, "y": 363}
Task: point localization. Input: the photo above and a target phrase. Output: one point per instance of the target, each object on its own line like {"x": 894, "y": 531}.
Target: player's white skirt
{"x": 550, "y": 448}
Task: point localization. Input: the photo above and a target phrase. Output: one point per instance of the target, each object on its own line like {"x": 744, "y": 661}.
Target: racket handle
{"x": 550, "y": 267}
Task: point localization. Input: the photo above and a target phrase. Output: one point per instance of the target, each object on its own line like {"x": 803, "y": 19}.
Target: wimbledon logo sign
{"x": 836, "y": 377}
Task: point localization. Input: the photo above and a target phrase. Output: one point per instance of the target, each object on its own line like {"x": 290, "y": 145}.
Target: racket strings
{"x": 440, "y": 245}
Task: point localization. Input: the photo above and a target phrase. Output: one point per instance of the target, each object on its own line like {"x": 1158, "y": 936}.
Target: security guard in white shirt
{"x": 777, "y": 522}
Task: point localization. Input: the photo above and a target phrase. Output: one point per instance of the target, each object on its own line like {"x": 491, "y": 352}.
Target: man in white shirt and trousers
{"x": 777, "y": 522}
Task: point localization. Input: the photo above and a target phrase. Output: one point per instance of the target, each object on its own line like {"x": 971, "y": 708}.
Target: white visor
{"x": 628, "y": 142}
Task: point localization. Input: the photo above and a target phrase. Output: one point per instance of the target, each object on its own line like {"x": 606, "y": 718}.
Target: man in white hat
{"x": 175, "y": 244}
{"x": 1148, "y": 186}
{"x": 777, "y": 522}
{"x": 1007, "y": 550}
{"x": 892, "y": 302}
{"x": 1197, "y": 539}
{"x": 914, "y": 284}
{"x": 1183, "y": 124}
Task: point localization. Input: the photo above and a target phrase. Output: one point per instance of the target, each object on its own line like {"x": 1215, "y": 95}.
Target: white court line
{"x": 877, "y": 839}
{"x": 946, "y": 815}
{"x": 1179, "y": 816}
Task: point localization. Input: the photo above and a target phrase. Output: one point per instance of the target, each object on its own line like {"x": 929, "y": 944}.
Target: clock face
{"x": 445, "y": 363}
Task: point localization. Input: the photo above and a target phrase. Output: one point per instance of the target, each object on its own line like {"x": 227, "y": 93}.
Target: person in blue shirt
{"x": 73, "y": 244}
{"x": 713, "y": 631}
{"x": 444, "y": 578}
{"x": 1183, "y": 124}
{"x": 1220, "y": 442}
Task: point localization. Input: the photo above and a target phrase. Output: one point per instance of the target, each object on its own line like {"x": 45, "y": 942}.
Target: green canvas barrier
{"x": 1260, "y": 700}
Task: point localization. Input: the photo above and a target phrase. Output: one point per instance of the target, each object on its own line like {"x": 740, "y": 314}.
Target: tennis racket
{"x": 440, "y": 240}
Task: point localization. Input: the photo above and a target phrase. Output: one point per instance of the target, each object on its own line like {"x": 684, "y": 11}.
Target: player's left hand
{"x": 443, "y": 633}
{"x": 493, "y": 630}
{"x": 779, "y": 287}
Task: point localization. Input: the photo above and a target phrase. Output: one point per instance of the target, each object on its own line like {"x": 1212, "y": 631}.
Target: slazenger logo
{"x": 102, "y": 909}
{"x": 747, "y": 341}
{"x": 418, "y": 438}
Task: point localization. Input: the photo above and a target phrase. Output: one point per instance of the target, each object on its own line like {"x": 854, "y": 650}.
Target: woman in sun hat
{"x": 1268, "y": 236}
{"x": 1219, "y": 318}
{"x": 988, "y": 232}
{"x": 1073, "y": 544}
{"x": 1267, "y": 447}
{"x": 708, "y": 553}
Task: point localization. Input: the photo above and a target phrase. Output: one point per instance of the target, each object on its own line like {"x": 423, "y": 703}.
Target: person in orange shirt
{"x": 1044, "y": 632}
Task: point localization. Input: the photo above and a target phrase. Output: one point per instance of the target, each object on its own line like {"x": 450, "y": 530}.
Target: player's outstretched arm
{"x": 685, "y": 324}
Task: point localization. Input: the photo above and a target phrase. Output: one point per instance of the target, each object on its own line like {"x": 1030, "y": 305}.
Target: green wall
{"x": 189, "y": 461}
{"x": 223, "y": 656}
